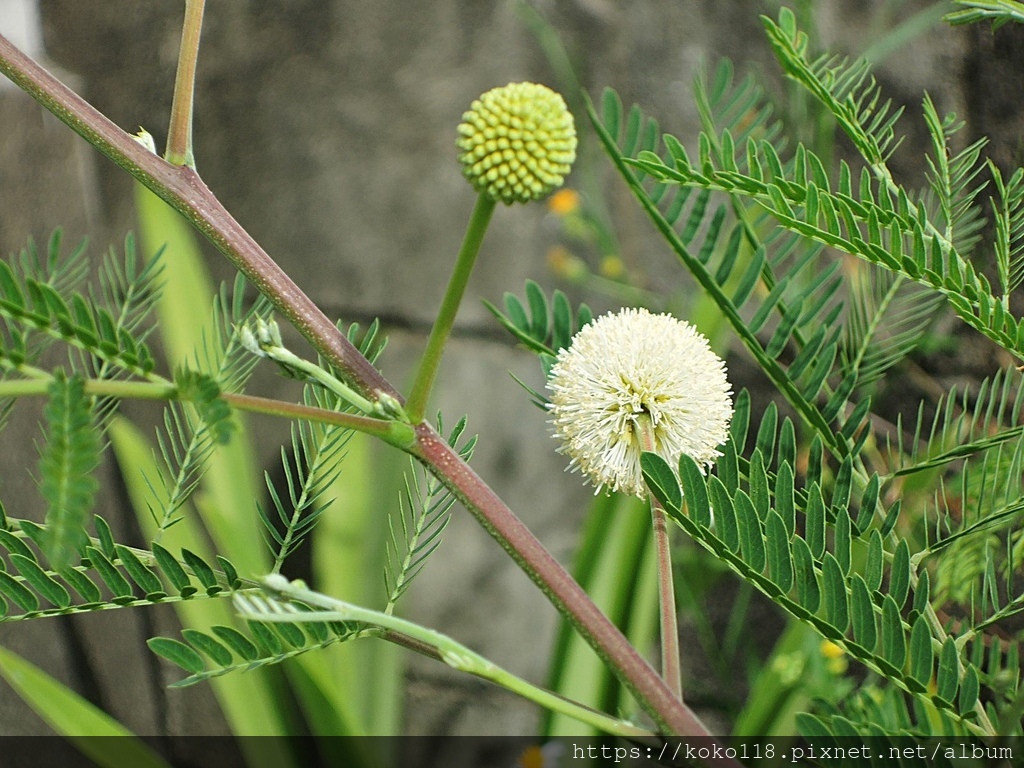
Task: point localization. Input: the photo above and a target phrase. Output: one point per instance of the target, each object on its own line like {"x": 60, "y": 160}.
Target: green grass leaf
{"x": 72, "y": 716}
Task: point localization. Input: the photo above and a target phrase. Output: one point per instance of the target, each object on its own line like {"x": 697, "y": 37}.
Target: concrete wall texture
{"x": 327, "y": 127}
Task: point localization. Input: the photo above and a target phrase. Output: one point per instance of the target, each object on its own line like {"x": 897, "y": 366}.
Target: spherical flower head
{"x": 517, "y": 142}
{"x": 632, "y": 374}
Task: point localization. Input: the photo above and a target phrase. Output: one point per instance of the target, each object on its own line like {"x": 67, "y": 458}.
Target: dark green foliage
{"x": 217, "y": 652}
{"x": 662, "y": 482}
{"x": 548, "y": 327}
{"x": 173, "y": 571}
{"x": 894, "y": 641}
{"x": 862, "y": 614}
{"x": 41, "y": 581}
{"x": 105, "y": 537}
{"x": 145, "y": 578}
{"x": 921, "y": 654}
{"x": 732, "y": 259}
{"x": 780, "y": 561}
{"x": 798, "y": 314}
{"x": 18, "y": 594}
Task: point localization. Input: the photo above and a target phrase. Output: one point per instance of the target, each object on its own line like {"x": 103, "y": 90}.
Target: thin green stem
{"x": 394, "y": 432}
{"x": 431, "y": 361}
{"x": 671, "y": 668}
{"x": 451, "y": 652}
{"x": 671, "y": 655}
{"x": 179, "y": 134}
{"x": 124, "y": 390}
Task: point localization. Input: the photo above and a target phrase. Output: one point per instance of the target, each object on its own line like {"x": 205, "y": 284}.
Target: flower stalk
{"x": 671, "y": 652}
{"x": 179, "y": 134}
{"x": 442, "y": 328}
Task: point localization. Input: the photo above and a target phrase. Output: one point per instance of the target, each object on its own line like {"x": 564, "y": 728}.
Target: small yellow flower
{"x": 517, "y": 142}
{"x": 831, "y": 650}
{"x": 565, "y": 264}
{"x": 835, "y": 657}
{"x": 612, "y": 267}
{"x": 564, "y": 202}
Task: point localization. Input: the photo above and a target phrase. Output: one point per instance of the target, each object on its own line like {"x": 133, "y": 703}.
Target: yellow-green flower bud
{"x": 517, "y": 142}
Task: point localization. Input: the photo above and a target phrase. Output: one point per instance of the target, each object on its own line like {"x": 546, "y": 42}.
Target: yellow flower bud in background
{"x": 517, "y": 142}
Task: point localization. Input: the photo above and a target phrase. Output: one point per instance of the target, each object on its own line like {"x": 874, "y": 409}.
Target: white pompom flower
{"x": 634, "y": 371}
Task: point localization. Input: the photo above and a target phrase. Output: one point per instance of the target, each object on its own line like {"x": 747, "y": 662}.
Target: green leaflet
{"x": 41, "y": 581}
{"x": 695, "y": 492}
{"x": 780, "y": 562}
{"x": 548, "y": 327}
{"x": 751, "y": 535}
{"x": 662, "y": 481}
{"x": 894, "y": 640}
{"x": 837, "y": 612}
{"x": 862, "y": 614}
{"x": 921, "y": 653}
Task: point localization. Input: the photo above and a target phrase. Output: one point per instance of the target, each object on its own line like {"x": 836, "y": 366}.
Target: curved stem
{"x": 179, "y": 134}
{"x": 445, "y": 321}
{"x": 451, "y": 652}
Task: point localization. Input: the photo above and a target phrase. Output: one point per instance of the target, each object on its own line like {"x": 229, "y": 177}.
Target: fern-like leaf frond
{"x": 228, "y": 649}
{"x": 68, "y": 459}
{"x": 847, "y": 90}
{"x": 221, "y": 355}
{"x": 999, "y": 12}
{"x": 954, "y": 179}
{"x": 41, "y": 305}
{"x": 1009, "y": 221}
{"x": 886, "y": 320}
{"x": 550, "y": 324}
{"x": 963, "y": 424}
{"x": 774, "y": 291}
{"x": 423, "y": 513}
{"x": 103, "y": 575}
{"x": 317, "y": 453}
{"x": 129, "y": 290}
{"x": 185, "y": 444}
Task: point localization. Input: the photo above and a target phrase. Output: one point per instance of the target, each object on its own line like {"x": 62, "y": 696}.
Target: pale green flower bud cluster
{"x": 518, "y": 142}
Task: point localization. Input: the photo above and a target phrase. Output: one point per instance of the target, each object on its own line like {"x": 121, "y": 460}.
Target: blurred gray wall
{"x": 327, "y": 128}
